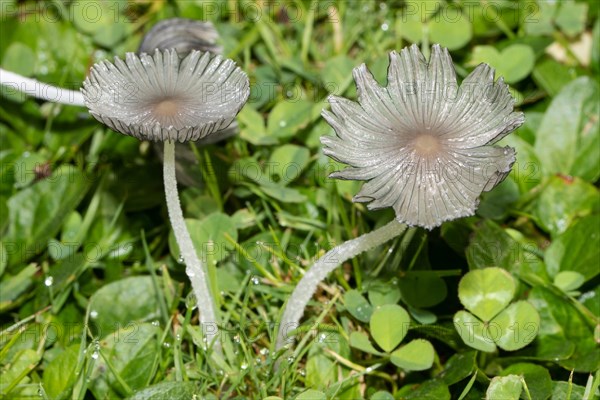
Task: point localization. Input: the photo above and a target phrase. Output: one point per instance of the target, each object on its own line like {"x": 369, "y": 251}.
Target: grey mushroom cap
{"x": 181, "y": 34}
{"x": 163, "y": 97}
{"x": 423, "y": 144}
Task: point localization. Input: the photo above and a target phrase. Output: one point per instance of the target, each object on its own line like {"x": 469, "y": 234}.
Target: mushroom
{"x": 177, "y": 94}
{"x": 424, "y": 146}
{"x": 165, "y": 98}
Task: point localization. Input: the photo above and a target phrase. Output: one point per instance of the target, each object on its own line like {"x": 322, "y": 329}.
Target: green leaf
{"x": 411, "y": 27}
{"x": 288, "y": 117}
{"x": 505, "y": 388}
{"x": 515, "y": 327}
{"x": 567, "y": 390}
{"x": 167, "y": 390}
{"x": 578, "y": 249}
{"x": 526, "y": 171}
{"x": 382, "y": 395}
{"x": 12, "y": 286}
{"x": 424, "y": 317}
{"x": 106, "y": 22}
{"x": 59, "y": 375}
{"x": 459, "y": 367}
{"x": 562, "y": 201}
{"x": 283, "y": 194}
{"x": 536, "y": 377}
{"x": 358, "y": 306}
{"x": 19, "y": 58}
{"x": 422, "y": 289}
{"x": 36, "y": 213}
{"x": 473, "y": 332}
{"x": 571, "y": 17}
{"x": 311, "y": 394}
{"x": 486, "y": 292}
{"x": 122, "y": 304}
{"x": 452, "y": 30}
{"x": 568, "y": 280}
{"x": 514, "y": 62}
{"x": 337, "y": 74}
{"x": 417, "y": 355}
{"x": 209, "y": 237}
{"x": 538, "y": 18}
{"x": 389, "y": 324}
{"x": 131, "y": 352}
{"x": 552, "y": 76}
{"x": 381, "y": 293}
{"x": 16, "y": 371}
{"x": 287, "y": 162}
{"x": 492, "y": 246}
{"x": 321, "y": 369}
{"x": 253, "y": 129}
{"x": 433, "y": 389}
{"x": 570, "y": 335}
{"x": 497, "y": 203}
{"x": 568, "y": 139}
{"x": 361, "y": 341}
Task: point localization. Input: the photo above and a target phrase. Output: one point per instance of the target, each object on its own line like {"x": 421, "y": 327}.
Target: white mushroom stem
{"x": 194, "y": 269}
{"x": 331, "y": 260}
{"x": 40, "y": 90}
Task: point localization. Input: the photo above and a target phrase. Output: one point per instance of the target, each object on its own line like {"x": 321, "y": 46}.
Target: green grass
{"x": 94, "y": 303}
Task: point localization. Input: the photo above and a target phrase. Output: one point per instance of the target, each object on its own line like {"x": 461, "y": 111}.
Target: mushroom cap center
{"x": 426, "y": 145}
{"x": 166, "y": 108}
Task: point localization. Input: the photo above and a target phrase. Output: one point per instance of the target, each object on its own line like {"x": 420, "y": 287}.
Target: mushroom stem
{"x": 41, "y": 90}
{"x": 194, "y": 268}
{"x": 334, "y": 257}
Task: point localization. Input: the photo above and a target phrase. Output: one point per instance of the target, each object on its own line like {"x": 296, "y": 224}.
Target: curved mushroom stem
{"x": 41, "y": 90}
{"x": 194, "y": 268}
{"x": 334, "y": 257}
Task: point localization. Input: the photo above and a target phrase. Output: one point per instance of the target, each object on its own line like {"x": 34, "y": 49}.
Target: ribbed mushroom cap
{"x": 424, "y": 145}
{"x": 162, "y": 97}
{"x": 181, "y": 34}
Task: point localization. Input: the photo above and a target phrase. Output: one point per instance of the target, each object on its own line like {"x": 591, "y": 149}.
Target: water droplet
{"x": 190, "y": 301}
{"x": 258, "y": 360}
{"x": 255, "y": 280}
{"x": 180, "y": 260}
{"x": 178, "y": 337}
{"x": 190, "y": 272}
{"x": 385, "y": 26}
{"x": 322, "y": 337}
{"x": 95, "y": 355}
{"x": 290, "y": 359}
{"x": 93, "y": 314}
{"x": 166, "y": 345}
{"x": 282, "y": 124}
{"x": 49, "y": 281}
{"x": 155, "y": 323}
{"x": 264, "y": 351}
{"x": 236, "y": 338}
{"x": 302, "y": 372}
{"x": 369, "y": 370}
